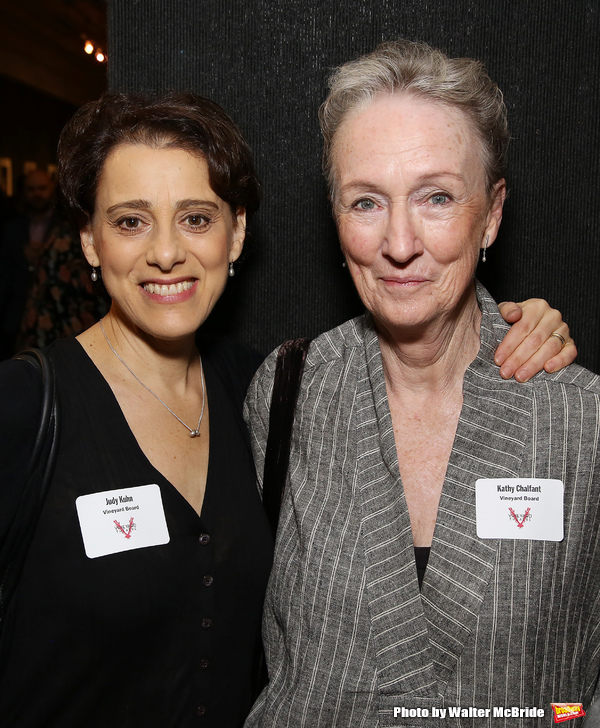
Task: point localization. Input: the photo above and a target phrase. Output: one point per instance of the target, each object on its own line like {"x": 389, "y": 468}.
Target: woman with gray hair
{"x": 436, "y": 560}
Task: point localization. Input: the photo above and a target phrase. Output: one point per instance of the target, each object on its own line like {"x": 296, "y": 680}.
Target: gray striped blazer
{"x": 350, "y": 640}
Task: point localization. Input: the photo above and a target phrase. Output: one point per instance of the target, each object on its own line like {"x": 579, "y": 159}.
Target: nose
{"x": 165, "y": 249}
{"x": 402, "y": 236}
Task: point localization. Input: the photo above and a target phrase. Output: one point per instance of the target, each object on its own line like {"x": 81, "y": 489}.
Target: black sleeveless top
{"x": 160, "y": 636}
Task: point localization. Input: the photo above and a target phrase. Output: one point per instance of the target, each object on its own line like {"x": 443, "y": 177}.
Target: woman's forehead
{"x": 408, "y": 133}
{"x": 154, "y": 175}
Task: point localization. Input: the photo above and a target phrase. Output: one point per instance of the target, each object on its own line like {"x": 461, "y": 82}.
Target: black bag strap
{"x": 288, "y": 375}
{"x": 43, "y": 456}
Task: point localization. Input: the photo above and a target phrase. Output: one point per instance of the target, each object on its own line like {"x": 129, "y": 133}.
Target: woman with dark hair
{"x": 140, "y": 600}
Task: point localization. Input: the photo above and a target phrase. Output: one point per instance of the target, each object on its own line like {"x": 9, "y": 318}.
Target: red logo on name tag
{"x": 567, "y": 711}
{"x": 126, "y": 533}
{"x": 521, "y": 522}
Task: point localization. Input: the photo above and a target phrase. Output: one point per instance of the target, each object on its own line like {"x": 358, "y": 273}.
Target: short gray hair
{"x": 424, "y": 72}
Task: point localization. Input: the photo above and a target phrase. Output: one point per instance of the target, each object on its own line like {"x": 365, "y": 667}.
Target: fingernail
{"x": 522, "y": 375}
{"x": 506, "y": 372}
{"x": 499, "y": 358}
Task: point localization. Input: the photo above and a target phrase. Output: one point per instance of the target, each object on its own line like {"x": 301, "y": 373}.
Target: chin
{"x": 172, "y": 331}
{"x": 409, "y": 315}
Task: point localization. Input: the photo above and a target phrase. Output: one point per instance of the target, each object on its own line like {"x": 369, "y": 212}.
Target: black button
{"x": 201, "y": 710}
{"x": 208, "y": 580}
{"x": 206, "y": 623}
{"x": 204, "y": 664}
{"x": 204, "y": 539}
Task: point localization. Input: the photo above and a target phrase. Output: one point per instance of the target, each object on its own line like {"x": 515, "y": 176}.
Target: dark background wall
{"x": 30, "y": 131}
{"x": 266, "y": 62}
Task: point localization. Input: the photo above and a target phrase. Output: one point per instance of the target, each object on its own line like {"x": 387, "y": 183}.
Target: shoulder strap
{"x": 43, "y": 456}
{"x": 288, "y": 375}
{"x": 44, "y": 439}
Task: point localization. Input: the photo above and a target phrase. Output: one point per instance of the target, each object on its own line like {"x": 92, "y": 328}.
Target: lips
{"x": 404, "y": 280}
{"x": 172, "y": 289}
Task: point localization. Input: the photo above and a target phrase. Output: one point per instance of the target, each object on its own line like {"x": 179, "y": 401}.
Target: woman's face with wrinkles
{"x": 412, "y": 207}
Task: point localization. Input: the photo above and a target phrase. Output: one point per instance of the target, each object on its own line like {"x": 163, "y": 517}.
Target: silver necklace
{"x": 193, "y": 433}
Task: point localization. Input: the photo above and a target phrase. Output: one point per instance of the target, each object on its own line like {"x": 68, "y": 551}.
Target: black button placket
{"x": 206, "y": 625}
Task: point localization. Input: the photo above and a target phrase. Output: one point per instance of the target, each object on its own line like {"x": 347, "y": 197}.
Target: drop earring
{"x": 94, "y": 275}
{"x": 231, "y": 270}
{"x": 484, "y": 257}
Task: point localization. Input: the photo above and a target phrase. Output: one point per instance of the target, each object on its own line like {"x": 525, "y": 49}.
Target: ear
{"x": 495, "y": 213}
{"x": 239, "y": 234}
{"x": 88, "y": 246}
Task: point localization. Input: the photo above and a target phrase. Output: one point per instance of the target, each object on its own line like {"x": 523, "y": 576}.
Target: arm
{"x": 528, "y": 347}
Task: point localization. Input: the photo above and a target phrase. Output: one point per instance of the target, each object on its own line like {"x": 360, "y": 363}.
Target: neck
{"x": 433, "y": 358}
{"x": 152, "y": 358}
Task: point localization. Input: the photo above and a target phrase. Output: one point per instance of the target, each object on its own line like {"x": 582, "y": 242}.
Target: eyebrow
{"x": 183, "y": 204}
{"x": 360, "y": 185}
{"x": 147, "y": 205}
{"x": 130, "y": 204}
{"x": 423, "y": 179}
{"x": 436, "y": 175}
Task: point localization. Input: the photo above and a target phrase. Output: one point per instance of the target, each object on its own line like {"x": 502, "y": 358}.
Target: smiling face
{"x": 411, "y": 208}
{"x": 163, "y": 239}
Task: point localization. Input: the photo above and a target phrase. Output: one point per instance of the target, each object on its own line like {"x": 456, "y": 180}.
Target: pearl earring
{"x": 483, "y": 257}
{"x": 231, "y": 270}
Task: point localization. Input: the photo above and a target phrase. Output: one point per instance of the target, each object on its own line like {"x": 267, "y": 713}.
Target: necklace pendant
{"x": 193, "y": 433}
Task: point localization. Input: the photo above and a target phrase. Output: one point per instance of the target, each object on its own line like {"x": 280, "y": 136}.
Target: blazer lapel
{"x": 399, "y": 628}
{"x": 494, "y": 425}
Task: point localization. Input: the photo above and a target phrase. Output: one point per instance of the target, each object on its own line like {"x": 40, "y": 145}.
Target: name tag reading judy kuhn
{"x": 520, "y": 508}
{"x": 122, "y": 520}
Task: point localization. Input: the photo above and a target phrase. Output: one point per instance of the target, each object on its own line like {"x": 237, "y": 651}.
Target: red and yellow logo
{"x": 567, "y": 711}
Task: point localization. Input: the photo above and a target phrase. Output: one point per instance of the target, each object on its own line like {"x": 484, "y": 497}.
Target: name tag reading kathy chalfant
{"x": 520, "y": 508}
{"x": 122, "y": 520}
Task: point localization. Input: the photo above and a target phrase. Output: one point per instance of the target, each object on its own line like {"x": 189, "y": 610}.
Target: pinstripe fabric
{"x": 348, "y": 635}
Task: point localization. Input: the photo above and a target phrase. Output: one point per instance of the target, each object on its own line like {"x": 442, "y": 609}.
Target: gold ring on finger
{"x": 561, "y": 338}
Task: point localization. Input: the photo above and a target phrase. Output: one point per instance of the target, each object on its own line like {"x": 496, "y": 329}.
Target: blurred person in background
{"x": 45, "y": 287}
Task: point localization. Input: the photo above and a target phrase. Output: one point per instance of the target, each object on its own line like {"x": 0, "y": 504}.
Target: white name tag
{"x": 122, "y": 520}
{"x": 520, "y": 508}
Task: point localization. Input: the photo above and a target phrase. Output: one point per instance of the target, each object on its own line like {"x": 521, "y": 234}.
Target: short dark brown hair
{"x": 176, "y": 121}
